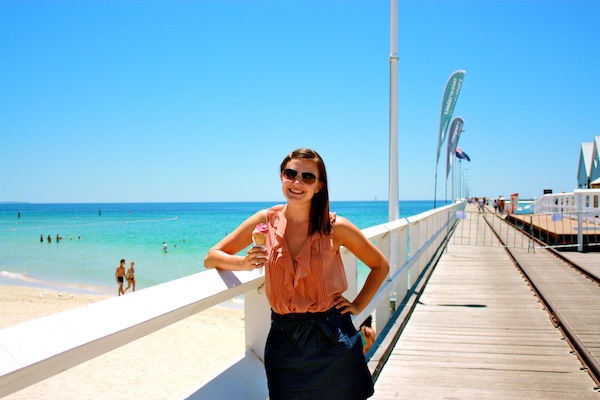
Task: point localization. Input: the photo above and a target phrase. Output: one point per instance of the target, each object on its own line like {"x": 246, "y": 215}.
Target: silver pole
{"x": 453, "y": 199}
{"x": 393, "y": 198}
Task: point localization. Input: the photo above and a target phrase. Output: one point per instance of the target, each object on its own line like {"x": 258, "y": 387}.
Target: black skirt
{"x": 316, "y": 356}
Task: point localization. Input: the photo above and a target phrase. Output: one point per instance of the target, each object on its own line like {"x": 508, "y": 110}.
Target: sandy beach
{"x": 167, "y": 364}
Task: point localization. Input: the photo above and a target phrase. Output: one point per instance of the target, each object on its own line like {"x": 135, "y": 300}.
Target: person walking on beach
{"x": 313, "y": 350}
{"x": 130, "y": 277}
{"x": 119, "y": 274}
{"x": 165, "y": 247}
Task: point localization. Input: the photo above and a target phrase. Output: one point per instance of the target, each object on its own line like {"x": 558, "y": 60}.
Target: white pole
{"x": 453, "y": 199}
{"x": 465, "y": 189}
{"x": 461, "y": 178}
{"x": 459, "y": 188}
{"x": 579, "y": 199}
{"x": 393, "y": 198}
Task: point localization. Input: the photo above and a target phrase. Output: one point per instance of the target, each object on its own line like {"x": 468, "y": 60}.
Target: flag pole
{"x": 449, "y": 98}
{"x": 435, "y": 186}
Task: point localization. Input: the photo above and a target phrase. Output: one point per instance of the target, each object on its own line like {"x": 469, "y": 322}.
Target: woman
{"x": 313, "y": 351}
{"x": 130, "y": 277}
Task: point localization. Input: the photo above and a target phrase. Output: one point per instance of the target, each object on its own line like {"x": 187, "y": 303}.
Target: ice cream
{"x": 259, "y": 234}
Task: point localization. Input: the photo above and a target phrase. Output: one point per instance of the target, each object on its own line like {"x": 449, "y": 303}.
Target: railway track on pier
{"x": 569, "y": 290}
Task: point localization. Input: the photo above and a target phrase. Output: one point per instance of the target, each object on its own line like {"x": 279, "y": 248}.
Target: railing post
{"x": 399, "y": 255}
{"x": 257, "y": 320}
{"x": 383, "y": 309}
{"x": 579, "y": 200}
{"x": 351, "y": 269}
{"x": 414, "y": 229}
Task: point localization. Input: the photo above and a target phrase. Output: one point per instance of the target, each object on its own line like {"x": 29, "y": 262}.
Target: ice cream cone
{"x": 259, "y": 235}
{"x": 260, "y": 239}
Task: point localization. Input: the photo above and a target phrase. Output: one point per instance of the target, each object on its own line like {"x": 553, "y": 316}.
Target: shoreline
{"x": 169, "y": 363}
{"x": 20, "y": 304}
{"x": 9, "y": 279}
{"x": 20, "y": 280}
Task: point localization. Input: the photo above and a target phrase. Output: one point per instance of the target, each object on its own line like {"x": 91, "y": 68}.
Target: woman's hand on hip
{"x": 345, "y": 306}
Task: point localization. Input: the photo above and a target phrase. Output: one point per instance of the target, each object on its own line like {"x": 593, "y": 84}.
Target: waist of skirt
{"x": 297, "y": 318}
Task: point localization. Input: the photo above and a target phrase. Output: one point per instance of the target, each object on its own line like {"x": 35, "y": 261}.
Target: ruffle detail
{"x": 282, "y": 257}
{"x": 302, "y": 269}
{"x": 297, "y": 290}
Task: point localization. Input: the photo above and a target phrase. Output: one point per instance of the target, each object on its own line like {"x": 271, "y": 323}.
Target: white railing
{"x": 582, "y": 205}
{"x": 75, "y": 336}
{"x": 581, "y": 200}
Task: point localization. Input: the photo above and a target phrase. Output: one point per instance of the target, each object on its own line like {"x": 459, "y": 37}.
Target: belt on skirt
{"x": 304, "y": 323}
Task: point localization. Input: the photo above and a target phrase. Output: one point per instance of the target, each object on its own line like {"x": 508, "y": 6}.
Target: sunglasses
{"x": 307, "y": 177}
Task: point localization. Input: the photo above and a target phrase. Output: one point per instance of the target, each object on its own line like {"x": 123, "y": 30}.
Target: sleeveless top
{"x": 311, "y": 281}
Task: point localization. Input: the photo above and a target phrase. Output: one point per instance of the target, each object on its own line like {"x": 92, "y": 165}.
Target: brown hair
{"x": 319, "y": 220}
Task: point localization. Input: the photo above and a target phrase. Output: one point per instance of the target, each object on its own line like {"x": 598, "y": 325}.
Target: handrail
{"x": 586, "y": 200}
{"x": 582, "y": 205}
{"x": 75, "y": 336}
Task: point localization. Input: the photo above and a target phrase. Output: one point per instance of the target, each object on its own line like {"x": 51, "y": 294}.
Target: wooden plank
{"x": 565, "y": 226}
{"x": 480, "y": 333}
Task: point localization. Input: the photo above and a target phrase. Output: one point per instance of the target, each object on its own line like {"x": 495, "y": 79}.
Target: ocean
{"x": 96, "y": 236}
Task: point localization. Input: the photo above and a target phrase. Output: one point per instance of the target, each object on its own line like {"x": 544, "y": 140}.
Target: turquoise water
{"x": 96, "y": 236}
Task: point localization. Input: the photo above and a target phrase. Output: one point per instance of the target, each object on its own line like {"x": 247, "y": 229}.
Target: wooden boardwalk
{"x": 478, "y": 332}
{"x": 557, "y": 229}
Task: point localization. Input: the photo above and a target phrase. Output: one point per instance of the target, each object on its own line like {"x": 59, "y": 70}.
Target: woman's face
{"x": 296, "y": 189}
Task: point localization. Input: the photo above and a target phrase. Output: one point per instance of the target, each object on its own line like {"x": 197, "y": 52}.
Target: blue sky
{"x": 168, "y": 101}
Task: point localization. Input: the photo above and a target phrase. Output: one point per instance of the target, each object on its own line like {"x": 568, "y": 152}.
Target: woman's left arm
{"x": 348, "y": 235}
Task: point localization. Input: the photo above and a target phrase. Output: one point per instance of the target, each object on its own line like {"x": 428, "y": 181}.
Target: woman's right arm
{"x": 224, "y": 254}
